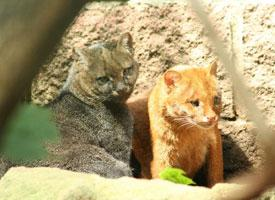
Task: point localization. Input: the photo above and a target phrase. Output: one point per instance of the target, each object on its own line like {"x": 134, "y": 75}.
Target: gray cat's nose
{"x": 115, "y": 93}
{"x": 120, "y": 87}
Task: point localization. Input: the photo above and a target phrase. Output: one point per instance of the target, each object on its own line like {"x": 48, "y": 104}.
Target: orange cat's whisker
{"x": 186, "y": 123}
{"x": 190, "y": 126}
{"x": 179, "y": 120}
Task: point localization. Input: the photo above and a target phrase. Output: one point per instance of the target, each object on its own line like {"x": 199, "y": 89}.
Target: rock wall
{"x": 169, "y": 33}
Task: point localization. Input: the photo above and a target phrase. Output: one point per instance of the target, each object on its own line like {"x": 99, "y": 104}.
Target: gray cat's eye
{"x": 129, "y": 71}
{"x": 102, "y": 80}
{"x": 217, "y": 100}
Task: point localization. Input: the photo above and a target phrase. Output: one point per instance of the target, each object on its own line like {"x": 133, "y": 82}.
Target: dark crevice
{"x": 229, "y": 118}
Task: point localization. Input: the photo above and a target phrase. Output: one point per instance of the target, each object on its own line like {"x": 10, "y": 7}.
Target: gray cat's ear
{"x": 125, "y": 42}
{"x": 84, "y": 54}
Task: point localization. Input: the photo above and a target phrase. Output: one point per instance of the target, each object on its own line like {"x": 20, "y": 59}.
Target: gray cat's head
{"x": 110, "y": 70}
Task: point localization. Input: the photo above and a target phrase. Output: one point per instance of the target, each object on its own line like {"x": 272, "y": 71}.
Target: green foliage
{"x": 176, "y": 175}
{"x": 26, "y": 133}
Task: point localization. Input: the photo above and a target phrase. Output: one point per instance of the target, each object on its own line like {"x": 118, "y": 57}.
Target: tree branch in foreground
{"x": 256, "y": 183}
{"x": 30, "y": 30}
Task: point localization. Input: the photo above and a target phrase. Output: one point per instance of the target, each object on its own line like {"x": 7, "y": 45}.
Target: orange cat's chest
{"x": 186, "y": 149}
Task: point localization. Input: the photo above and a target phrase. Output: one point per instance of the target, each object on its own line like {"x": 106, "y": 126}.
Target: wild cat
{"x": 95, "y": 124}
{"x": 183, "y": 110}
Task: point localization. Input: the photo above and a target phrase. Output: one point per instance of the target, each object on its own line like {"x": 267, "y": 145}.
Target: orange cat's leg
{"x": 160, "y": 159}
{"x": 215, "y": 161}
{"x": 156, "y": 168}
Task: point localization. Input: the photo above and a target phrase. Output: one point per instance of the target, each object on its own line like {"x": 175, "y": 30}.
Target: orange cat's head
{"x": 192, "y": 97}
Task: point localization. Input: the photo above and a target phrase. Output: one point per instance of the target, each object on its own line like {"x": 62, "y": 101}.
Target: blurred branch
{"x": 30, "y": 30}
{"x": 257, "y": 183}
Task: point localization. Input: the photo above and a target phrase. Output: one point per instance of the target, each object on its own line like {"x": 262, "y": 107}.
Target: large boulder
{"x": 169, "y": 33}
{"x": 52, "y": 183}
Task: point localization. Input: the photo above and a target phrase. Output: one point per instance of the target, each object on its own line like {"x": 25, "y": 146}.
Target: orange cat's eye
{"x": 217, "y": 101}
{"x": 195, "y": 103}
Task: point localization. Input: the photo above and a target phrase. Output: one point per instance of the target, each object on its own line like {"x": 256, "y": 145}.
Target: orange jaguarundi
{"x": 183, "y": 111}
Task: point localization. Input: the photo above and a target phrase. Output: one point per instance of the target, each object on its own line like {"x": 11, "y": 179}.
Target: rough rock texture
{"x": 52, "y": 183}
{"x": 259, "y": 54}
{"x": 4, "y": 166}
{"x": 169, "y": 33}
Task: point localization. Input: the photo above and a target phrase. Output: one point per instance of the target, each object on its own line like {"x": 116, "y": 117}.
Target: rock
{"x": 240, "y": 151}
{"x": 169, "y": 33}
{"x": 4, "y": 166}
{"x": 259, "y": 54}
{"x": 268, "y": 195}
{"x": 159, "y": 44}
{"x": 52, "y": 183}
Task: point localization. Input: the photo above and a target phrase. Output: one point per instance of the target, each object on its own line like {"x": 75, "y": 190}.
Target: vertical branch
{"x": 29, "y": 32}
{"x": 257, "y": 184}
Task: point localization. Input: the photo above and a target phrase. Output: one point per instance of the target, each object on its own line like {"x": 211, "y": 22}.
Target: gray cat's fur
{"x": 95, "y": 124}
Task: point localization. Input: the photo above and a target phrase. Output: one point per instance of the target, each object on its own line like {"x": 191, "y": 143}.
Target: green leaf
{"x": 26, "y": 133}
{"x": 176, "y": 175}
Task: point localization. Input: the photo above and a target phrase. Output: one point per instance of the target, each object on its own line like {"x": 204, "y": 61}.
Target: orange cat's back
{"x": 141, "y": 141}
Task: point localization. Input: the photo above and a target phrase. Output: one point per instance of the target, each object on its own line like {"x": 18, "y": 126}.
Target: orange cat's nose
{"x": 211, "y": 119}
{"x": 207, "y": 121}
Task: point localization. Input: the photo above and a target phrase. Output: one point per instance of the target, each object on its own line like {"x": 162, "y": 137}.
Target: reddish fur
{"x": 141, "y": 142}
{"x": 168, "y": 145}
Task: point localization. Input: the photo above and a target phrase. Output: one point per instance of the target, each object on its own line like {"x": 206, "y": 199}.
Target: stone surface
{"x": 52, "y": 183}
{"x": 169, "y": 33}
{"x": 4, "y": 166}
{"x": 159, "y": 44}
{"x": 259, "y": 54}
{"x": 269, "y": 195}
{"x": 240, "y": 151}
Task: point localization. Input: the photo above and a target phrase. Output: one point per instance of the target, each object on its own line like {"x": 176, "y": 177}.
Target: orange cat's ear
{"x": 213, "y": 68}
{"x": 171, "y": 77}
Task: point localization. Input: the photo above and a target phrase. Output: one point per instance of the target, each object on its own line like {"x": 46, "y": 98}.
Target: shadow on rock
{"x": 235, "y": 160}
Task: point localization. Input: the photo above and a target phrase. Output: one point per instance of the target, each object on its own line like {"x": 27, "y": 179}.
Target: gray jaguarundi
{"x": 95, "y": 124}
